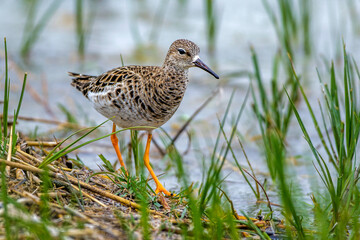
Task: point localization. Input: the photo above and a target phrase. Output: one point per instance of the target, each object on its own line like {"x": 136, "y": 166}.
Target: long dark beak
{"x": 203, "y": 66}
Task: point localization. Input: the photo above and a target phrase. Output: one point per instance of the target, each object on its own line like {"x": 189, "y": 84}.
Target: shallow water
{"x": 126, "y": 28}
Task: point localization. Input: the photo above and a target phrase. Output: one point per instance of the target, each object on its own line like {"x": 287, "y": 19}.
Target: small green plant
{"x": 80, "y": 29}
{"x": 15, "y": 218}
{"x": 274, "y": 124}
{"x": 211, "y": 17}
{"x": 33, "y": 30}
{"x": 4, "y": 134}
{"x": 269, "y": 109}
{"x": 340, "y": 119}
{"x": 211, "y": 211}
{"x": 84, "y": 23}
{"x": 291, "y": 20}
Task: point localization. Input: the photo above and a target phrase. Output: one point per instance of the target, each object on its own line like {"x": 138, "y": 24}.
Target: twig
{"x": 81, "y": 183}
{"x": 47, "y": 121}
{"x": 89, "y": 196}
{"x": 54, "y": 194}
{"x": 267, "y": 197}
{"x": 68, "y": 209}
{"x": 20, "y": 160}
{"x": 42, "y": 144}
{"x": 38, "y": 201}
{"x": 63, "y": 183}
{"x": 244, "y": 226}
{"x": 27, "y": 168}
{"x": 23, "y": 154}
{"x": 272, "y": 204}
{"x": 236, "y": 215}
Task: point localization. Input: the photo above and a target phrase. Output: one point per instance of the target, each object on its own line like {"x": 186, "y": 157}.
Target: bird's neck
{"x": 172, "y": 84}
{"x": 175, "y": 76}
{"x": 174, "y": 70}
{"x": 170, "y": 67}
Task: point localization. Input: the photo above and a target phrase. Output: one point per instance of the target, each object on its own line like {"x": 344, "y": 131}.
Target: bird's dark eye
{"x": 181, "y": 51}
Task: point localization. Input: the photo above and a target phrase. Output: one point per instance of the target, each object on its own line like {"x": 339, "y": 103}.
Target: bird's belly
{"x": 129, "y": 116}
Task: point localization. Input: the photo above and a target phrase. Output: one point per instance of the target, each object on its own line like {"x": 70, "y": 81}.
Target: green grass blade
{"x": 263, "y": 95}
{"x": 34, "y": 33}
{"x": 4, "y": 126}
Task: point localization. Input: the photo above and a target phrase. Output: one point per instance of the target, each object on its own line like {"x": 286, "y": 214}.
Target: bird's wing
{"x": 117, "y": 78}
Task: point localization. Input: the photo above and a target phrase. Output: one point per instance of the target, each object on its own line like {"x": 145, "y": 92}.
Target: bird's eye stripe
{"x": 181, "y": 51}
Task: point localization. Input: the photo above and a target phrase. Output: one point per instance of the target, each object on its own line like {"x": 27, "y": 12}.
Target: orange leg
{"x": 115, "y": 143}
{"x": 159, "y": 186}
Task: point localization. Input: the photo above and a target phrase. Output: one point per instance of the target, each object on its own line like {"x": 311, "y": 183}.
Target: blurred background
{"x": 47, "y": 39}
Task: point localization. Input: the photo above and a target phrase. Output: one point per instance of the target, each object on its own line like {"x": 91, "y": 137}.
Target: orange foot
{"x": 160, "y": 189}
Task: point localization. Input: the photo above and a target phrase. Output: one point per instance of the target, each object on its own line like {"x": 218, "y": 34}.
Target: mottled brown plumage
{"x": 145, "y": 96}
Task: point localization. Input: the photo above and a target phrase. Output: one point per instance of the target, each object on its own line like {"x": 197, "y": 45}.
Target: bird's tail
{"x": 81, "y": 82}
